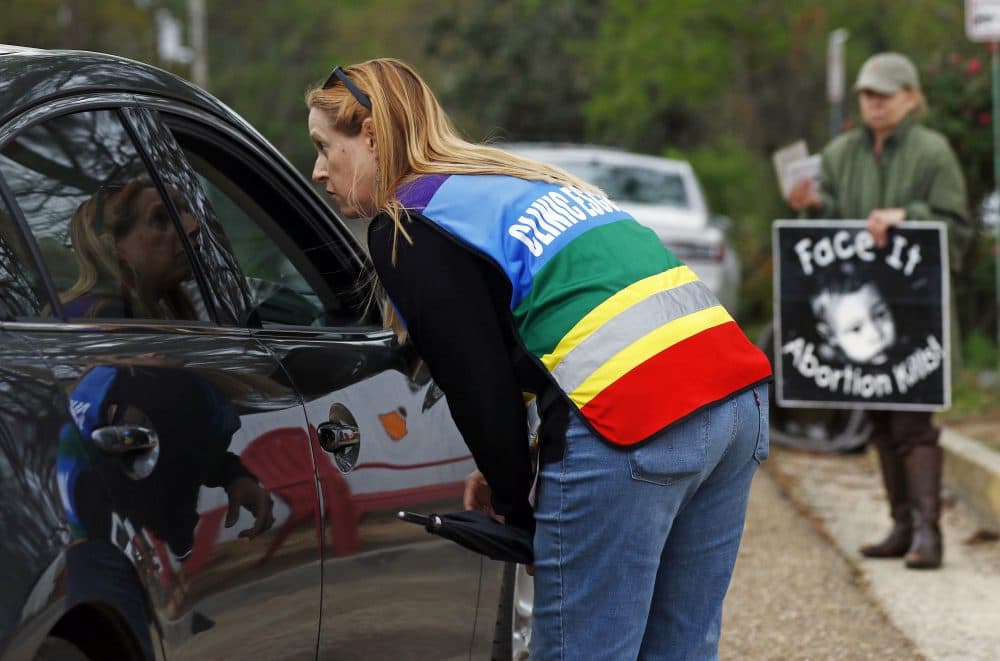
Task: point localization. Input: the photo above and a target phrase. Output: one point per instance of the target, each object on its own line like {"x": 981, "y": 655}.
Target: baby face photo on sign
{"x": 857, "y": 325}
{"x": 854, "y": 320}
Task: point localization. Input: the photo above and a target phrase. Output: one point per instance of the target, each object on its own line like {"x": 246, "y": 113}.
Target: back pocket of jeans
{"x": 678, "y": 453}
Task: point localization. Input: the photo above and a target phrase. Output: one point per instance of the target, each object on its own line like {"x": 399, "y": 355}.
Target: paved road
{"x": 801, "y": 591}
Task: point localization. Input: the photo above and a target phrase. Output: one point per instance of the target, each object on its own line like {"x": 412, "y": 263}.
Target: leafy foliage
{"x": 958, "y": 87}
{"x": 722, "y": 84}
{"x": 111, "y": 26}
{"x": 516, "y": 69}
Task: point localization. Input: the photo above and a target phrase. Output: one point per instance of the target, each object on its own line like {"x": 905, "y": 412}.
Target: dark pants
{"x": 901, "y": 431}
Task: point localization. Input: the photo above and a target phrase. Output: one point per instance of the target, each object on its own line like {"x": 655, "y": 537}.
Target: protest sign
{"x": 857, "y": 325}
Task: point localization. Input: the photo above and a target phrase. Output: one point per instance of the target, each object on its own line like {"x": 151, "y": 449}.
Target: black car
{"x": 205, "y": 430}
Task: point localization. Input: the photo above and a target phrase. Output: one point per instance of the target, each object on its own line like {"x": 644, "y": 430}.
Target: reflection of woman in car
{"x": 130, "y": 257}
{"x": 118, "y": 500}
{"x": 510, "y": 277}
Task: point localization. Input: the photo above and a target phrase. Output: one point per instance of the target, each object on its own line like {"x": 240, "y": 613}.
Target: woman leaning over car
{"x": 511, "y": 275}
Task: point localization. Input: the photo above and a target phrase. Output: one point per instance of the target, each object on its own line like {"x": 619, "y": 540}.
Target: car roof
{"x": 31, "y": 76}
{"x": 562, "y": 151}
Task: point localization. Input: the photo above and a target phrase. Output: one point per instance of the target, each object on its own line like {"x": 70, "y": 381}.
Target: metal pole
{"x": 995, "y": 57}
{"x": 199, "y": 64}
{"x": 835, "y": 79}
{"x": 836, "y": 119}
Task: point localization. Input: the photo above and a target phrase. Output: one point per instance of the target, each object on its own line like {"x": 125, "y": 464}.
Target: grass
{"x": 974, "y": 395}
{"x": 975, "y": 406}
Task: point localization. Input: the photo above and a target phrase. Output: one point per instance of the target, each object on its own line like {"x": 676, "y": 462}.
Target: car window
{"x": 298, "y": 273}
{"x": 224, "y": 281}
{"x": 628, "y": 183}
{"x": 279, "y": 291}
{"x": 112, "y": 245}
{"x": 22, "y": 290}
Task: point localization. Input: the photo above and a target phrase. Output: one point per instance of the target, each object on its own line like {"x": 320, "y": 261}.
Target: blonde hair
{"x": 414, "y": 136}
{"x": 95, "y": 228}
{"x": 920, "y": 109}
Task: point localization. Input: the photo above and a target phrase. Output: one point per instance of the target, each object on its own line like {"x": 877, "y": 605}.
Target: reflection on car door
{"x": 35, "y": 534}
{"x": 388, "y": 586}
{"x": 382, "y": 432}
{"x": 168, "y": 417}
{"x": 212, "y": 400}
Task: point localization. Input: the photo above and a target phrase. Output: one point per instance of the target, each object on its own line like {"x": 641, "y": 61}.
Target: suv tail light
{"x": 698, "y": 251}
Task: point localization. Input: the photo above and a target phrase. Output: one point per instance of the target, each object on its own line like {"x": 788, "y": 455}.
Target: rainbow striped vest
{"x": 626, "y": 330}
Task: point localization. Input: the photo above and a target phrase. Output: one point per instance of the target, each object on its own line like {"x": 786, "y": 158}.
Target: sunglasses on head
{"x": 103, "y": 193}
{"x": 338, "y": 74}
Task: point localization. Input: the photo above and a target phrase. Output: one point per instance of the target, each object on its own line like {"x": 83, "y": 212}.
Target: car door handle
{"x": 124, "y": 439}
{"x": 337, "y": 435}
{"x": 137, "y": 447}
{"x": 341, "y": 437}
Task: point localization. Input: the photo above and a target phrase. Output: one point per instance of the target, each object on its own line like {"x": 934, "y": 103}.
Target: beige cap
{"x": 887, "y": 73}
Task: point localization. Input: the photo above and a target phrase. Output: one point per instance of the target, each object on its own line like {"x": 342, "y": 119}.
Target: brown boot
{"x": 923, "y": 475}
{"x": 900, "y": 536}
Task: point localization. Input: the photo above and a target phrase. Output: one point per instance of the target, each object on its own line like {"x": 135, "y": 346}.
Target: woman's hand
{"x": 802, "y": 196}
{"x": 478, "y": 495}
{"x": 245, "y": 492}
{"x": 879, "y": 222}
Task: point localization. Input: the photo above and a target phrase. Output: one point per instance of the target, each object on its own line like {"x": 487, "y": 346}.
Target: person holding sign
{"x": 890, "y": 170}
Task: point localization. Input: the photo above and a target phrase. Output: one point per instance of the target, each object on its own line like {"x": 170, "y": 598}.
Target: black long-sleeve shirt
{"x": 456, "y": 308}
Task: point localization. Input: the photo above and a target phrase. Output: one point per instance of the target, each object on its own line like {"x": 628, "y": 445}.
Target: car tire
{"x": 512, "y": 635}
{"x": 59, "y": 649}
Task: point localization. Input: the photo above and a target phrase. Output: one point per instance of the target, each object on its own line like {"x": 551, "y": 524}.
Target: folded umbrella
{"x": 479, "y": 532}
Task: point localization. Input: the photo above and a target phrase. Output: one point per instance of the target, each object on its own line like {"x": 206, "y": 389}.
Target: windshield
{"x": 629, "y": 183}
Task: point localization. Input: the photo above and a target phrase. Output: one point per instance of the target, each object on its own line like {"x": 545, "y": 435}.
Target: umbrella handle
{"x": 429, "y": 521}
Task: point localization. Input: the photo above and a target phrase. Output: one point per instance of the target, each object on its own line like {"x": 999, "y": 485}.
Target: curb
{"x": 973, "y": 471}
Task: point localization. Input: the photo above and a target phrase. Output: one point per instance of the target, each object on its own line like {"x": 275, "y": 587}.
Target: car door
{"x": 383, "y": 434}
{"x": 30, "y": 412}
{"x": 171, "y": 411}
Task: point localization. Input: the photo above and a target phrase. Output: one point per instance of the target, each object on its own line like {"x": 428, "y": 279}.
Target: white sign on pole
{"x": 982, "y": 20}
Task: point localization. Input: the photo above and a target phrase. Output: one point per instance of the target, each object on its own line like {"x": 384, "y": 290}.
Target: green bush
{"x": 979, "y": 351}
{"x": 958, "y": 87}
{"x": 741, "y": 185}
{"x": 975, "y": 293}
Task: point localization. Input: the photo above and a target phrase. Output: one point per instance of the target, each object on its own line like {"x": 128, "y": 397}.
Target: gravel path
{"x": 794, "y": 596}
{"x": 950, "y": 614}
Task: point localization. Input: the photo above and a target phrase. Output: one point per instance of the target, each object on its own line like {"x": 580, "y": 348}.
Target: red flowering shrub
{"x": 959, "y": 89}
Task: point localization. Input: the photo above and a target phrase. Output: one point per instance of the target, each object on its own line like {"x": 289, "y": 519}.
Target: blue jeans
{"x": 634, "y": 547}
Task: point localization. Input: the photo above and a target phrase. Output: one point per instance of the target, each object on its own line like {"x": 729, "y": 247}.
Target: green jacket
{"x": 917, "y": 170}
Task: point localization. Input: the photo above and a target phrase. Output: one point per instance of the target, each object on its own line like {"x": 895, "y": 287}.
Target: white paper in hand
{"x": 805, "y": 168}
{"x": 782, "y": 158}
